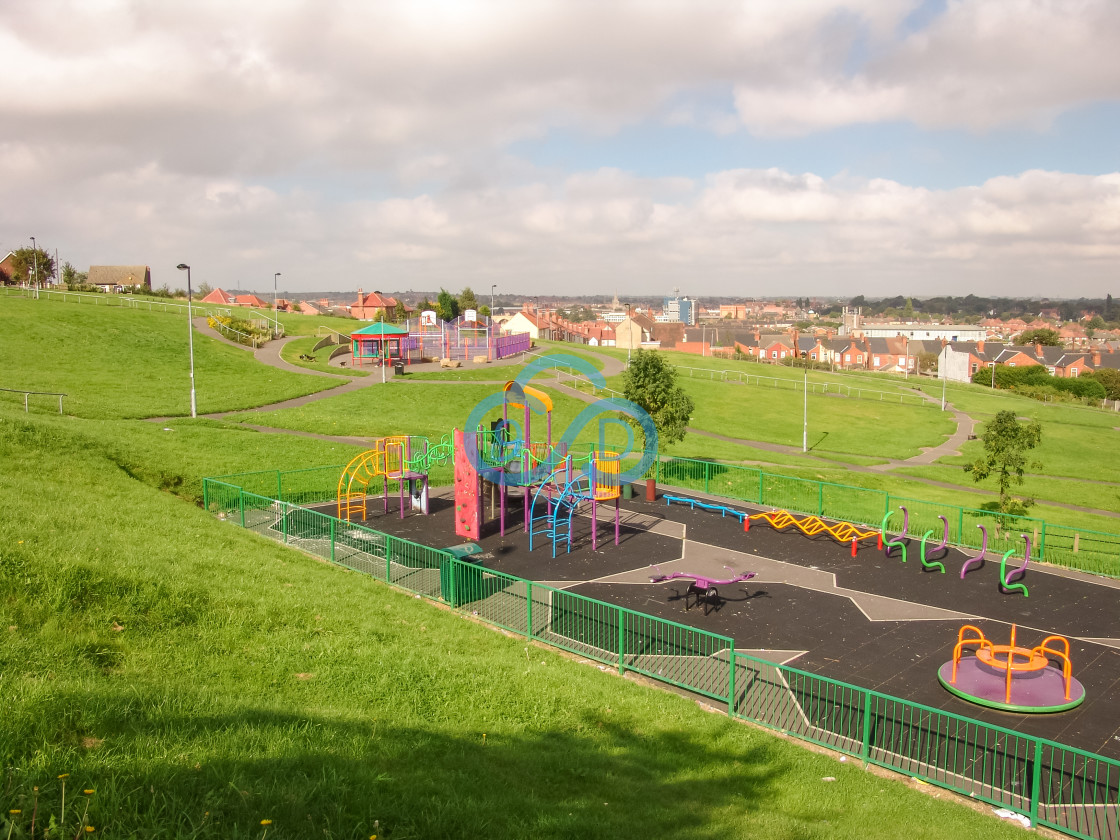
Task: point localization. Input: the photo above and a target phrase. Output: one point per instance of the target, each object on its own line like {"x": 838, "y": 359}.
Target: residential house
{"x": 527, "y": 321}
{"x": 308, "y": 308}
{"x": 775, "y": 348}
{"x": 120, "y": 278}
{"x": 224, "y": 298}
{"x": 848, "y": 354}
{"x": 635, "y": 332}
{"x": 375, "y": 306}
{"x": 7, "y": 268}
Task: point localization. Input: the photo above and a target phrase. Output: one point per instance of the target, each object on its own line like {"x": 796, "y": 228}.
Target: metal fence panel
{"x": 677, "y": 654}
{"x": 793, "y": 494}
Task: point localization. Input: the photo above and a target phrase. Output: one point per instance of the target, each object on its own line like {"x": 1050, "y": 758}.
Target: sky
{"x": 576, "y": 147}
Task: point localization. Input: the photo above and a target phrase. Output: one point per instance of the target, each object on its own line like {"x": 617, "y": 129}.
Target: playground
{"x": 863, "y": 617}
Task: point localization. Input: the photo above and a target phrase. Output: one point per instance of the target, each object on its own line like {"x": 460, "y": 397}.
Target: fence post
{"x": 279, "y": 487}
{"x": 621, "y": 644}
{"x": 529, "y": 610}
{"x": 284, "y": 521}
{"x": 332, "y": 520}
{"x": 205, "y": 494}
{"x": 960, "y": 525}
{"x": 731, "y": 685}
{"x": 1036, "y": 783}
{"x": 388, "y": 562}
{"x": 1042, "y": 543}
{"x": 241, "y": 504}
{"x": 707, "y": 475}
{"x": 761, "y": 478}
{"x": 820, "y": 498}
{"x": 865, "y": 749}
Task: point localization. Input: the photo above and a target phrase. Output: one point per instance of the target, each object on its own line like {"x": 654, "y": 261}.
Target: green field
{"x": 123, "y": 363}
{"x": 200, "y": 680}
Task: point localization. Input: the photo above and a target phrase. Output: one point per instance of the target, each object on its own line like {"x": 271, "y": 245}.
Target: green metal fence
{"x": 1096, "y": 552}
{"x": 1070, "y": 790}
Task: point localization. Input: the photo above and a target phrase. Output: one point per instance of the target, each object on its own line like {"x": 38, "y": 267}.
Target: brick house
{"x": 375, "y": 305}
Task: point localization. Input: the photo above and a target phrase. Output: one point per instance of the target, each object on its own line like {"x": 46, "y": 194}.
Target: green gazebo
{"x": 382, "y": 344}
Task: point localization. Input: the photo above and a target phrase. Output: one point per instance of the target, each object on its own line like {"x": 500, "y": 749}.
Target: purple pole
{"x": 616, "y": 520}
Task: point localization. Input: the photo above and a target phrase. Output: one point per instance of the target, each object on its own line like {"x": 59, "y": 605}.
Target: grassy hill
{"x": 199, "y": 680}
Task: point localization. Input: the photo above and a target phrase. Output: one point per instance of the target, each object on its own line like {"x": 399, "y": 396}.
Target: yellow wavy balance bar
{"x": 810, "y": 526}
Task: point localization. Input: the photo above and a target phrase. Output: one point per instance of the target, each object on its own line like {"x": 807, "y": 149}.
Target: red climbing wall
{"x": 468, "y": 514}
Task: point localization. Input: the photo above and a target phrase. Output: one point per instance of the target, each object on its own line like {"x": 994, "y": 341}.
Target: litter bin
{"x": 628, "y": 491}
{"x": 460, "y": 583}
{"x": 651, "y": 489}
{"x": 398, "y": 368}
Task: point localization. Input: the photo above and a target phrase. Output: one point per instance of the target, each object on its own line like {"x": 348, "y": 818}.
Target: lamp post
{"x": 492, "y": 288}
{"x": 190, "y": 333}
{"x": 275, "y": 320}
{"x": 805, "y": 410}
{"x": 629, "y": 336}
{"x": 35, "y": 265}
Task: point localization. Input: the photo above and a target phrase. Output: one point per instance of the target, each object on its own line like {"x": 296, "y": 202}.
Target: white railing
{"x": 27, "y": 394}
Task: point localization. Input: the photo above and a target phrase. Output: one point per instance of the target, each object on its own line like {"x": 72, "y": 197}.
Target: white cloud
{"x": 363, "y": 142}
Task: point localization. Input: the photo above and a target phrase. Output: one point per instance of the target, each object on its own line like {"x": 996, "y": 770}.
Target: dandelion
{"x": 89, "y": 791}
{"x": 266, "y": 824}
{"x": 90, "y": 829}
{"x": 15, "y": 812}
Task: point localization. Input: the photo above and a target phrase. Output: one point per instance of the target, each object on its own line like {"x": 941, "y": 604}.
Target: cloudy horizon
{"x": 875, "y": 147}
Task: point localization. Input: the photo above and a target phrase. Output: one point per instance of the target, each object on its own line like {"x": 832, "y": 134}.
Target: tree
{"x": 650, "y": 382}
{"x": 1006, "y": 443}
{"x": 467, "y": 300}
{"x": 425, "y": 305}
{"x": 447, "y": 307}
{"x": 1046, "y": 337}
{"x": 203, "y": 289}
{"x": 72, "y": 277}
{"x": 32, "y": 265}
{"x": 400, "y": 312}
{"x": 1110, "y": 379}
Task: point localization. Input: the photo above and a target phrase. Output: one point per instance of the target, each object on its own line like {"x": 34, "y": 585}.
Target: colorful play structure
{"x": 703, "y": 587}
{"x": 496, "y": 466}
{"x": 779, "y": 520}
{"x": 465, "y": 338}
{"x": 811, "y": 526}
{"x": 392, "y": 459}
{"x": 1012, "y": 678}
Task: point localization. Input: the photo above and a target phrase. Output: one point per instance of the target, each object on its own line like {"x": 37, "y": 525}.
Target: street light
{"x": 35, "y": 265}
{"x": 805, "y": 417}
{"x": 629, "y": 336}
{"x": 190, "y": 333}
{"x": 492, "y": 288}
{"x": 275, "y": 320}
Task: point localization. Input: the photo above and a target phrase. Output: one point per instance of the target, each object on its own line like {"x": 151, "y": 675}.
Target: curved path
{"x": 269, "y": 354}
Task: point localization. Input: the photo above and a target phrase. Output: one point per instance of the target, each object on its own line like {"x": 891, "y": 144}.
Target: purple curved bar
{"x": 902, "y": 534}
{"x": 701, "y": 582}
{"x": 979, "y": 557}
{"x": 1023, "y": 568}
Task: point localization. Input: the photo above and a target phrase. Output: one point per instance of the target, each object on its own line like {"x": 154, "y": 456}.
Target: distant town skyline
{"x": 875, "y": 147}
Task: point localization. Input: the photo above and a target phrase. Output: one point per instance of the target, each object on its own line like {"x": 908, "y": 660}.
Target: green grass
{"x": 201, "y": 680}
{"x": 305, "y": 346}
{"x": 121, "y": 363}
{"x": 836, "y": 424}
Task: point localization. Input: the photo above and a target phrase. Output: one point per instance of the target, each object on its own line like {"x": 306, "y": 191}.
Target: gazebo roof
{"x": 380, "y": 329}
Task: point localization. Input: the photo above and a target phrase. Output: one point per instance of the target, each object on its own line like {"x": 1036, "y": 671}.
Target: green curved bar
{"x": 887, "y": 542}
{"x": 1003, "y": 576}
{"x": 925, "y": 563}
